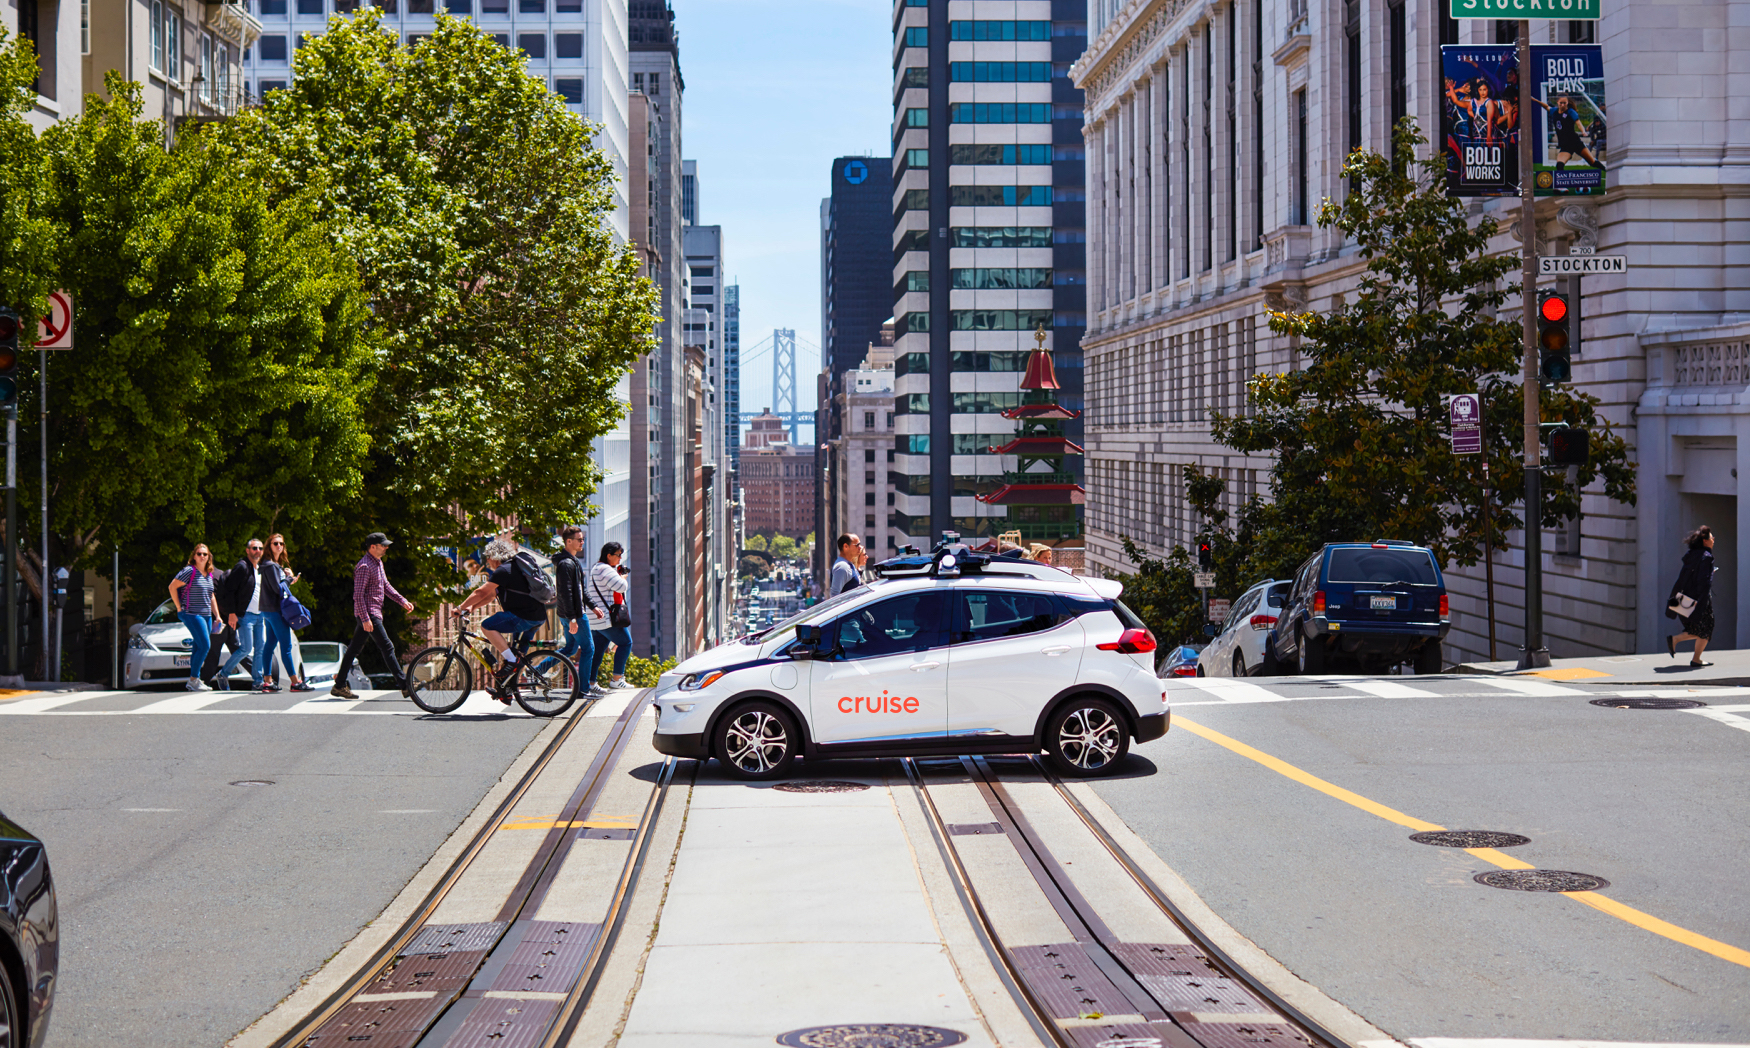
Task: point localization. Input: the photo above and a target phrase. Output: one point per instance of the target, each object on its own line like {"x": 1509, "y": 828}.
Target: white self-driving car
{"x": 952, "y": 653}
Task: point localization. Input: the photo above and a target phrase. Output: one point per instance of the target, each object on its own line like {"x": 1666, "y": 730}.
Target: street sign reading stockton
{"x": 1587, "y": 9}
{"x": 1465, "y": 413}
{"x": 1569, "y": 265}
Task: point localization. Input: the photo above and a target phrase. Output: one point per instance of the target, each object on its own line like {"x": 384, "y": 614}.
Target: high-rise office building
{"x": 659, "y": 614}
{"x": 577, "y": 46}
{"x": 989, "y": 244}
{"x": 704, "y": 329}
{"x": 856, "y": 259}
{"x": 732, "y": 374}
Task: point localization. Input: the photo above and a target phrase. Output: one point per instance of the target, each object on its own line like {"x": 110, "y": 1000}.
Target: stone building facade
{"x": 1214, "y": 131}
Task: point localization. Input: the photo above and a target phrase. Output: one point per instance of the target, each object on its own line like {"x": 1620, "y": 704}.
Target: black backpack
{"x": 535, "y": 581}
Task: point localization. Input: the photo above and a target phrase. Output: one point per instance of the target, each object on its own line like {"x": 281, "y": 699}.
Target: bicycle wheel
{"x": 546, "y": 683}
{"x": 439, "y": 680}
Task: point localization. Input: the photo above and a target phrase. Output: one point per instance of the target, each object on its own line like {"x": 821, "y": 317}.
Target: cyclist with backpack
{"x": 523, "y": 590}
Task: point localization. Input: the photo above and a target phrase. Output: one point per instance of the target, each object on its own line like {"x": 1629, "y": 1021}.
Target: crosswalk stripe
{"x": 1731, "y": 720}
{"x": 46, "y": 702}
{"x": 187, "y": 703}
{"x": 1231, "y": 689}
{"x": 1385, "y": 689}
{"x": 324, "y": 704}
{"x": 1524, "y": 686}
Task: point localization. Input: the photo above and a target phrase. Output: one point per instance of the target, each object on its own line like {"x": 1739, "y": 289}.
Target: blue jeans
{"x": 516, "y": 626}
{"x": 622, "y": 639}
{"x": 200, "y": 629}
{"x": 251, "y": 632}
{"x": 580, "y": 646}
{"x": 278, "y": 636}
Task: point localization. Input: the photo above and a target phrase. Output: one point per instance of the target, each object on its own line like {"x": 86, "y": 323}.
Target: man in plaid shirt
{"x": 369, "y": 586}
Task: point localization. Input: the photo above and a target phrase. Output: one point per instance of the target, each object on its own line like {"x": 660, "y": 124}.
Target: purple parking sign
{"x": 1465, "y": 412}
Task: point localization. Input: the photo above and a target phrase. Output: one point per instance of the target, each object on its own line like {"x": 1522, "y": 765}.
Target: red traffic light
{"x": 1554, "y": 309}
{"x": 8, "y": 326}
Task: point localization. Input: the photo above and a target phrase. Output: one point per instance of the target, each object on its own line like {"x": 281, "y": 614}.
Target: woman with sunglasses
{"x": 191, "y": 593}
{"x": 279, "y": 632}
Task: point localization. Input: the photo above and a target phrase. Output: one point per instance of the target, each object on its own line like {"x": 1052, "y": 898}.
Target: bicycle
{"x": 439, "y": 679}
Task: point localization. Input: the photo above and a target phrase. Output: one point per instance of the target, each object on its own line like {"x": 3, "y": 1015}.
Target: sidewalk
{"x": 1729, "y": 669}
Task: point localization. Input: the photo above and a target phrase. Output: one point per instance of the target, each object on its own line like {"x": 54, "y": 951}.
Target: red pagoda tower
{"x": 1041, "y": 495}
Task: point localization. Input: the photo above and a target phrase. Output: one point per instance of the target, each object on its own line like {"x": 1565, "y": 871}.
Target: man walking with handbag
{"x": 370, "y": 584}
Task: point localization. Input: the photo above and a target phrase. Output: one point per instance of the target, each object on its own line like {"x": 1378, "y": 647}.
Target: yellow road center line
{"x": 1601, "y": 903}
{"x": 14, "y": 693}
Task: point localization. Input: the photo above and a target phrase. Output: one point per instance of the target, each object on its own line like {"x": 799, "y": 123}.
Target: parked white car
{"x": 160, "y": 648}
{"x": 1238, "y": 650}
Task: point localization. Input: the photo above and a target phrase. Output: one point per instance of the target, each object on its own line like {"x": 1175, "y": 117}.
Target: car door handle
{"x": 919, "y": 667}
{"x": 1054, "y": 650}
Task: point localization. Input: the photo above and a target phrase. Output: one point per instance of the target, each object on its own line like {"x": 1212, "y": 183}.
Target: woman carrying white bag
{"x": 1691, "y": 600}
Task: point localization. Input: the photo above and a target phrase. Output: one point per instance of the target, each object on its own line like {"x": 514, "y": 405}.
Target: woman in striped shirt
{"x": 191, "y": 591}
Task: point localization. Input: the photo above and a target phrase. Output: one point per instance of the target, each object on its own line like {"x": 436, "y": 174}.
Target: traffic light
{"x": 9, "y": 330}
{"x": 1553, "y": 339}
{"x": 1569, "y": 447}
{"x": 1205, "y": 555}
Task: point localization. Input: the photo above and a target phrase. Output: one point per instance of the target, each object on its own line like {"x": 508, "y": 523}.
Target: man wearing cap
{"x": 369, "y": 586}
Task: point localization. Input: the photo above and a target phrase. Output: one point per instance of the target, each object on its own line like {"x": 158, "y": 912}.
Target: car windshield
{"x": 1386, "y": 566}
{"x": 165, "y": 612}
{"x": 320, "y": 651}
{"x": 806, "y": 615}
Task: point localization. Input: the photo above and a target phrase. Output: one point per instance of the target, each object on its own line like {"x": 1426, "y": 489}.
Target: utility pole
{"x": 42, "y": 378}
{"x": 1534, "y": 654}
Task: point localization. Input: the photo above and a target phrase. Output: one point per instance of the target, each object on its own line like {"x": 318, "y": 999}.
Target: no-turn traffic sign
{"x": 55, "y": 331}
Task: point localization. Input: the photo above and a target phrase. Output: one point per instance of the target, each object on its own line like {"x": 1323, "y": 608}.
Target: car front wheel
{"x": 1086, "y": 737}
{"x": 12, "y": 1032}
{"x": 756, "y": 741}
{"x": 1240, "y": 665}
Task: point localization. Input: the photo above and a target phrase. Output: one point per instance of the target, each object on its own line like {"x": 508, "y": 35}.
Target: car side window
{"x": 1240, "y": 613}
{"x": 910, "y": 622}
{"x": 984, "y": 615}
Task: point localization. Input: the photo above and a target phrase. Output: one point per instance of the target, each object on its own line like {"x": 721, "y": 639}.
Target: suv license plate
{"x": 1385, "y": 604}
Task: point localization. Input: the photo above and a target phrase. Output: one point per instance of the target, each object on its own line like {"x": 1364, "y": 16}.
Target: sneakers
{"x": 221, "y": 683}
{"x": 265, "y": 689}
{"x": 342, "y": 691}
{"x": 302, "y": 686}
{"x": 598, "y": 688}
{"x": 504, "y": 671}
{"x": 620, "y": 685}
{"x": 196, "y": 684}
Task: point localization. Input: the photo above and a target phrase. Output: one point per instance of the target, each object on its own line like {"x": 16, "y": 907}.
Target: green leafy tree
{"x": 27, "y": 232}
{"x": 757, "y": 542}
{"x": 214, "y": 391}
{"x": 1162, "y": 591}
{"x": 1358, "y": 435}
{"x": 784, "y": 547}
{"x": 504, "y": 313}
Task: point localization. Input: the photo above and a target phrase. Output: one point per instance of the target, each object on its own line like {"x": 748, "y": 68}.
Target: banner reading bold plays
{"x": 1567, "y": 145}
{"x": 1479, "y": 119}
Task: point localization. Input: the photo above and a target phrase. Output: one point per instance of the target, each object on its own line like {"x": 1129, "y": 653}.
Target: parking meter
{"x": 59, "y": 594}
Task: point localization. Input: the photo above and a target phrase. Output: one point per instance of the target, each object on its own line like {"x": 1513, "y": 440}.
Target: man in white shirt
{"x": 846, "y": 571}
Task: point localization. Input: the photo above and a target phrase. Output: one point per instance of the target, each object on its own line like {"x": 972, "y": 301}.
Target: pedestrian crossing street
{"x": 1220, "y": 691}
{"x": 368, "y": 704}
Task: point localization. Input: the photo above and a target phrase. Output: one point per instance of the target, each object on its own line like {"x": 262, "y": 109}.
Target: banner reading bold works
{"x": 1480, "y": 121}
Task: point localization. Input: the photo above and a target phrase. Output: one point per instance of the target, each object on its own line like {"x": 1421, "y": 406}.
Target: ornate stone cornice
{"x": 1123, "y": 41}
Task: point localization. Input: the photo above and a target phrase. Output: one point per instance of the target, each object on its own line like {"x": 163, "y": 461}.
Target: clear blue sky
{"x": 775, "y": 90}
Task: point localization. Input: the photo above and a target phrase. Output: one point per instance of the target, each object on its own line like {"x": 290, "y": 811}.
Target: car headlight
{"x": 140, "y": 644}
{"x": 695, "y": 681}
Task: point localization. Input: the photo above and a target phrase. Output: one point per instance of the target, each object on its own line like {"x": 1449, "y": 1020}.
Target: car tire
{"x": 1428, "y": 659}
{"x": 1268, "y": 666}
{"x": 1087, "y": 736}
{"x": 1308, "y": 658}
{"x": 1200, "y": 672}
{"x": 756, "y": 741}
{"x": 1240, "y": 665}
{"x": 12, "y": 1031}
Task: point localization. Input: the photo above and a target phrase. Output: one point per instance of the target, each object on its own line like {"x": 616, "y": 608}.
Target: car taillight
{"x": 1445, "y": 609}
{"x": 1185, "y": 671}
{"x": 1263, "y": 622}
{"x": 1132, "y": 642}
{"x": 1319, "y": 602}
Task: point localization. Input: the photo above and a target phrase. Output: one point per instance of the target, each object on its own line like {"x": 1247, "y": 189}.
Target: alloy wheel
{"x": 1089, "y": 738}
{"x": 756, "y": 742}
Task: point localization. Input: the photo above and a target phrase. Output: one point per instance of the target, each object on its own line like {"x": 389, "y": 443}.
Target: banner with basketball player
{"x": 1479, "y": 119}
{"x": 1567, "y": 91}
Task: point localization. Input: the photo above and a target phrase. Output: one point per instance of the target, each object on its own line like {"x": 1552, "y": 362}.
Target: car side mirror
{"x": 1210, "y": 629}
{"x": 807, "y": 642}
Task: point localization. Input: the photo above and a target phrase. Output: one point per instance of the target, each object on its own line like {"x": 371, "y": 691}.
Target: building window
{"x": 999, "y": 72}
{"x": 1352, "y": 57}
{"x": 310, "y": 7}
{"x": 84, "y": 27}
{"x": 869, "y": 455}
{"x": 917, "y": 36}
{"x": 890, "y": 426}
{"x": 419, "y": 7}
{"x": 1506, "y": 31}
{"x": 916, "y": 76}
{"x": 495, "y": 7}
{"x": 1300, "y": 217}
{"x": 1000, "y": 319}
{"x": 917, "y": 118}
{"x": 206, "y": 68}
{"x": 156, "y": 53}
{"x": 1000, "y": 279}
{"x": 994, "y": 30}
{"x": 915, "y": 159}
{"x": 1400, "y": 62}
{"x": 273, "y": 48}
{"x": 1002, "y": 113}
{"x": 1002, "y": 236}
{"x": 1257, "y": 124}
{"x": 272, "y": 85}
{"x": 915, "y": 280}
{"x": 532, "y": 44}
{"x": 999, "y": 196}
{"x": 570, "y": 89}
{"x": 273, "y": 7}
{"x": 569, "y": 7}
{"x": 567, "y": 45}
{"x": 1004, "y": 155}
{"x": 868, "y": 420}
{"x": 915, "y": 200}
{"x": 1582, "y": 31}
{"x": 531, "y": 7}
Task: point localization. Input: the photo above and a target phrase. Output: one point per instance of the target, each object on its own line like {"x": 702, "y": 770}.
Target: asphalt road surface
{"x": 1248, "y": 805}
{"x": 190, "y": 905}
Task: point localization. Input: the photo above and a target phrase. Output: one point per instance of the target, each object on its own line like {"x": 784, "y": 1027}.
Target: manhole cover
{"x": 1542, "y": 881}
{"x": 1649, "y": 704}
{"x": 253, "y": 782}
{"x": 1470, "y": 839}
{"x": 827, "y": 786}
{"x": 870, "y": 1035}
